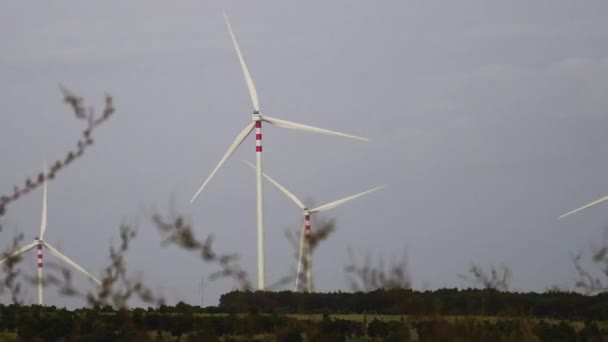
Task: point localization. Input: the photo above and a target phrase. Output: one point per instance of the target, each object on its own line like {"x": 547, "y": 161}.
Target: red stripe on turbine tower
{"x": 258, "y": 136}
{"x": 307, "y": 226}
{"x": 39, "y": 256}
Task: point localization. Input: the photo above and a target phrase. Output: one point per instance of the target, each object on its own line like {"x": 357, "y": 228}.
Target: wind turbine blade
{"x": 603, "y": 199}
{"x": 306, "y": 128}
{"x": 19, "y": 251}
{"x": 239, "y": 139}
{"x": 344, "y": 200}
{"x": 67, "y": 260}
{"x": 43, "y": 222}
{"x": 252, "y": 92}
{"x": 280, "y": 187}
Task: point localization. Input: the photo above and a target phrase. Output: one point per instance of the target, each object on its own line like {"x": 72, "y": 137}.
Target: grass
{"x": 7, "y": 336}
{"x": 387, "y": 318}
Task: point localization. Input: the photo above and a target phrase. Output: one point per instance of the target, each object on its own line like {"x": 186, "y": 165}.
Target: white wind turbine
{"x": 38, "y": 243}
{"x": 601, "y": 200}
{"x": 304, "y": 248}
{"x": 257, "y": 124}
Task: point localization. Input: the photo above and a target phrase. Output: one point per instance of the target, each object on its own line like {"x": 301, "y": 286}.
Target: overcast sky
{"x": 486, "y": 118}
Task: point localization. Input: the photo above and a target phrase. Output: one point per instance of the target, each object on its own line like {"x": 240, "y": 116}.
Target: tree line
{"x": 442, "y": 302}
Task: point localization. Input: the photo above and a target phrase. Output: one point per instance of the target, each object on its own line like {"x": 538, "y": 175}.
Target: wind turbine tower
{"x": 305, "y": 250}
{"x": 39, "y": 243}
{"x": 257, "y": 119}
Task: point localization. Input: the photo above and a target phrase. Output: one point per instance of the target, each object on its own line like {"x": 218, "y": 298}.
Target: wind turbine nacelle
{"x": 36, "y": 239}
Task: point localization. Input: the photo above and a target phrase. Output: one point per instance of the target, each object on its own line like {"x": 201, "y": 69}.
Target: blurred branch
{"x": 587, "y": 282}
{"x": 499, "y": 277}
{"x": 176, "y": 230}
{"x": 324, "y": 230}
{"x": 116, "y": 286}
{"x": 321, "y": 230}
{"x": 10, "y": 271}
{"x": 77, "y": 106}
{"x": 366, "y": 277}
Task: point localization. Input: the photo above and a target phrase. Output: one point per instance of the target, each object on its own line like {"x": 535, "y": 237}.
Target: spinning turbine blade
{"x": 252, "y": 92}
{"x": 239, "y": 139}
{"x": 280, "y": 187}
{"x": 43, "y": 222}
{"x": 306, "y": 128}
{"x": 344, "y": 200}
{"x": 603, "y": 199}
{"x": 67, "y": 260}
{"x": 19, "y": 251}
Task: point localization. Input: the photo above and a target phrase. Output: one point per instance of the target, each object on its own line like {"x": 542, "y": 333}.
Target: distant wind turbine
{"x": 257, "y": 124}
{"x": 601, "y": 200}
{"x": 304, "y": 246}
{"x": 38, "y": 243}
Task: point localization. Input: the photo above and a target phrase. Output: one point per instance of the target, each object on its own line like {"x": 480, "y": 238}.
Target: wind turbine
{"x": 257, "y": 124}
{"x": 304, "y": 248}
{"x": 39, "y": 243}
{"x": 601, "y": 200}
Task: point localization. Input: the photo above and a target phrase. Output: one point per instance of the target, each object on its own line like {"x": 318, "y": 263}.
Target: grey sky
{"x": 487, "y": 120}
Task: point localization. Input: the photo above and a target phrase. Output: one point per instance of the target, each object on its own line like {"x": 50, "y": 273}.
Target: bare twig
{"x": 177, "y": 231}
{"x": 499, "y": 277}
{"x": 322, "y": 229}
{"x": 587, "y": 282}
{"x": 9, "y": 268}
{"x": 76, "y": 103}
{"x": 117, "y": 287}
{"x": 365, "y": 277}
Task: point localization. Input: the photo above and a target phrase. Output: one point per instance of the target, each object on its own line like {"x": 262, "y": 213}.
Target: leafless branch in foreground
{"x": 587, "y": 282}
{"x": 499, "y": 277}
{"x": 9, "y": 268}
{"x": 321, "y": 230}
{"x": 366, "y": 277}
{"x": 117, "y": 287}
{"x": 177, "y": 231}
{"x": 76, "y": 103}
